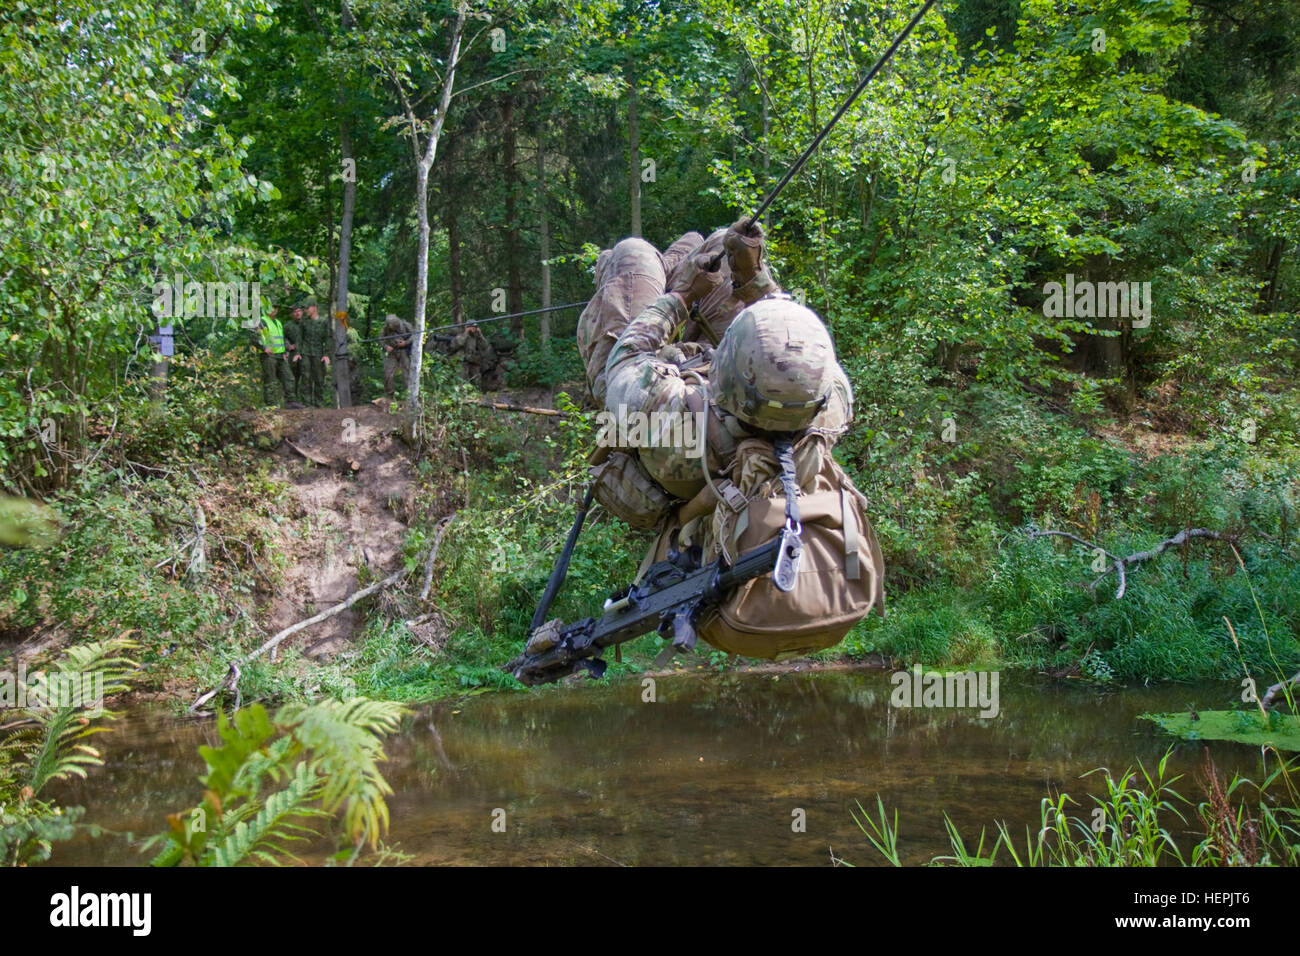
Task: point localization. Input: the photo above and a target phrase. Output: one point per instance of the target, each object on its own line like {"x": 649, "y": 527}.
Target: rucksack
{"x": 841, "y": 572}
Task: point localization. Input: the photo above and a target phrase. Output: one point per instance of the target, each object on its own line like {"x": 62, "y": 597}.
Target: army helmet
{"x": 774, "y": 368}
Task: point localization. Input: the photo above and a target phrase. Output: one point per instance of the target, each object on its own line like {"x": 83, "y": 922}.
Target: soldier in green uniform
{"x": 317, "y": 344}
{"x": 476, "y": 354}
{"x": 293, "y": 348}
{"x": 397, "y": 338}
{"x": 271, "y": 347}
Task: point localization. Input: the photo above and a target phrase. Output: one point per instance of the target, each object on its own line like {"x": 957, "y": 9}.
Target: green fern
{"x": 278, "y": 821}
{"x": 346, "y": 751}
{"x": 49, "y": 743}
{"x": 52, "y": 746}
{"x": 326, "y": 755}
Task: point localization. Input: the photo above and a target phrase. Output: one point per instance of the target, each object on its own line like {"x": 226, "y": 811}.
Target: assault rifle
{"x": 672, "y": 596}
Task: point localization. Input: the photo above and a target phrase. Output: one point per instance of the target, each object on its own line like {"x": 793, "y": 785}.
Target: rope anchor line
{"x": 790, "y": 173}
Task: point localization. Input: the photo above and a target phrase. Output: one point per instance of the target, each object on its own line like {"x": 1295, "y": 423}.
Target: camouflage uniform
{"x": 478, "y": 357}
{"x": 293, "y": 351}
{"x": 718, "y": 308}
{"x": 397, "y": 339}
{"x": 645, "y": 373}
{"x": 628, "y": 278}
{"x": 317, "y": 342}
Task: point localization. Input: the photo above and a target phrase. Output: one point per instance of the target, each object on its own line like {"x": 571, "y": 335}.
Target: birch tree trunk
{"x": 342, "y": 360}
{"x": 423, "y": 165}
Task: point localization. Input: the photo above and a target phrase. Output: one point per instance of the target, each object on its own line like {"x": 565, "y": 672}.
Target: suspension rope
{"x": 493, "y": 318}
{"x": 767, "y": 201}
{"x": 812, "y": 147}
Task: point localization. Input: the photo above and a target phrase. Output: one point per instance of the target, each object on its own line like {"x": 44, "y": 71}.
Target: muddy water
{"x": 710, "y": 773}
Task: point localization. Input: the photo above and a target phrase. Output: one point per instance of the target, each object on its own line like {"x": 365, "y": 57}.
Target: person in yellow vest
{"x": 275, "y": 363}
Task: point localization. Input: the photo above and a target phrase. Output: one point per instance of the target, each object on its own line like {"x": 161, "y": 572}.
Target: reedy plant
{"x": 1130, "y": 825}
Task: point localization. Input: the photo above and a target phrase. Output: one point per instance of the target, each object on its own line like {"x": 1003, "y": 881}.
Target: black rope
{"x": 785, "y": 180}
{"x": 467, "y": 322}
{"x": 798, "y": 163}
{"x": 561, "y": 569}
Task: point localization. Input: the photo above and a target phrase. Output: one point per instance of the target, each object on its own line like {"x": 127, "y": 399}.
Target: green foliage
{"x": 1136, "y": 822}
{"x": 114, "y": 177}
{"x": 345, "y": 740}
{"x": 1128, "y": 827}
{"x": 1272, "y": 729}
{"x": 546, "y": 366}
{"x": 122, "y": 562}
{"x": 24, "y": 523}
{"x": 272, "y": 784}
{"x": 49, "y": 742}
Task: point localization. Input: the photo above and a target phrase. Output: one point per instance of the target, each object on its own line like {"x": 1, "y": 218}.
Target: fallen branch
{"x": 1118, "y": 561}
{"x": 1119, "y": 564}
{"x": 1278, "y": 688}
{"x": 231, "y": 681}
{"x": 292, "y": 629}
{"x": 433, "y": 553}
{"x": 310, "y": 457}
{"x": 326, "y": 614}
{"x": 508, "y": 407}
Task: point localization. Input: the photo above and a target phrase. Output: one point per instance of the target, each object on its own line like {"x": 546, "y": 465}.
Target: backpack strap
{"x": 785, "y": 574}
{"x": 851, "y": 569}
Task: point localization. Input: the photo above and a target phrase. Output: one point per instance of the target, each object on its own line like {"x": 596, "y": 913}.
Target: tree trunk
{"x": 634, "y": 152}
{"x": 514, "y": 254}
{"x": 332, "y": 256}
{"x": 1271, "y": 292}
{"x": 423, "y": 165}
{"x": 544, "y": 229}
{"x": 453, "y": 237}
{"x": 343, "y": 360}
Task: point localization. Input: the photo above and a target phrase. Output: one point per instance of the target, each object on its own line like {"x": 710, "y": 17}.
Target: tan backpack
{"x": 841, "y": 573}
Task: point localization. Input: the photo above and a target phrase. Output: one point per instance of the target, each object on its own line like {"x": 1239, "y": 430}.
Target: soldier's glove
{"x": 701, "y": 276}
{"x": 744, "y": 244}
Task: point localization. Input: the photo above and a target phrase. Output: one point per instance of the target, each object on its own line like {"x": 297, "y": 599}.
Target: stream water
{"x": 714, "y": 771}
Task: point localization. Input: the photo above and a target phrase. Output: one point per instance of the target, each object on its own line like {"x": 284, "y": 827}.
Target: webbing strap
{"x": 789, "y": 481}
{"x": 646, "y": 562}
{"x": 742, "y": 522}
{"x": 851, "y": 569}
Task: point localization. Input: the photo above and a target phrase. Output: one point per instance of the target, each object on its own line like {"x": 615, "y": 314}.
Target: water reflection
{"x": 708, "y": 774}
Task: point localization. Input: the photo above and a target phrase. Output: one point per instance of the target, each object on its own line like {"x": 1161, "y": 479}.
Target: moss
{"x": 1281, "y": 731}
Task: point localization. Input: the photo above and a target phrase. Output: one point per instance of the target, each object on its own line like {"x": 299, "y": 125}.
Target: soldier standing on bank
{"x": 397, "y": 338}
{"x": 293, "y": 349}
{"x": 271, "y": 347}
{"x": 317, "y": 343}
